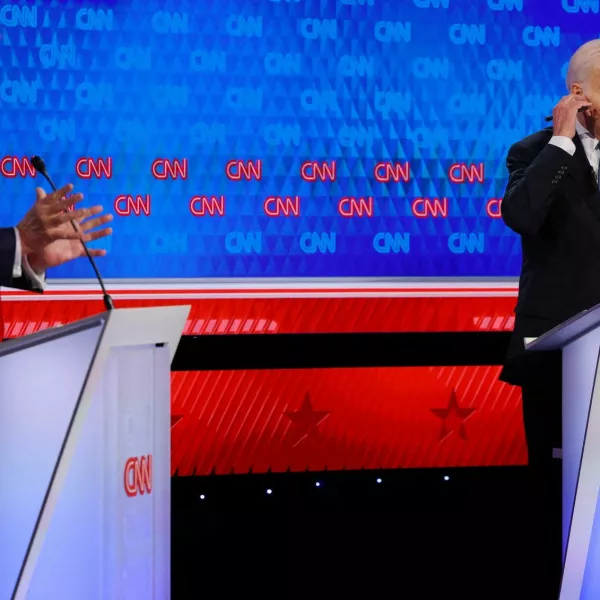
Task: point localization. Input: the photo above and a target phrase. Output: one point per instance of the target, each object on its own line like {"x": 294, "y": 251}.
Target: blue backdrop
{"x": 284, "y": 138}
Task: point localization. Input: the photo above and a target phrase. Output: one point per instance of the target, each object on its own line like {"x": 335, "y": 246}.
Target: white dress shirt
{"x": 21, "y": 265}
{"x": 590, "y": 145}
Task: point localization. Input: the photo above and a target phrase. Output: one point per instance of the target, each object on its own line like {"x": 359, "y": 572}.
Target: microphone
{"x": 40, "y": 167}
{"x": 580, "y": 110}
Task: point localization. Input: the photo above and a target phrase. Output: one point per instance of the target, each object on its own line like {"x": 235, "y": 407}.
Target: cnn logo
{"x": 137, "y": 476}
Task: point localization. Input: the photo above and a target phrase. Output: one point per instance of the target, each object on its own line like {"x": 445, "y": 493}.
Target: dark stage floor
{"x": 414, "y": 535}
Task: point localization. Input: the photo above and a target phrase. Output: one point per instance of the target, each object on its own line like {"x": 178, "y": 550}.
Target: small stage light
{"x": 269, "y": 491}
{"x": 379, "y": 480}
{"x": 202, "y": 496}
{"x": 446, "y": 478}
{"x": 318, "y": 484}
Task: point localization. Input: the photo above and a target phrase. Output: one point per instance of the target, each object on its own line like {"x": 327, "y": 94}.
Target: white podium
{"x": 579, "y": 339}
{"x": 85, "y": 458}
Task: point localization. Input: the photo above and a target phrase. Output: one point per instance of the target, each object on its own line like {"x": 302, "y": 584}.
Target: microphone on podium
{"x": 40, "y": 167}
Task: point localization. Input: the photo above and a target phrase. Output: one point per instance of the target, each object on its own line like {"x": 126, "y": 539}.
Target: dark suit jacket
{"x": 8, "y": 245}
{"x": 7, "y": 260}
{"x": 552, "y": 200}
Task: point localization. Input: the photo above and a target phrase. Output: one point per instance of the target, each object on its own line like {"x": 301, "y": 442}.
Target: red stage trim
{"x": 281, "y": 309}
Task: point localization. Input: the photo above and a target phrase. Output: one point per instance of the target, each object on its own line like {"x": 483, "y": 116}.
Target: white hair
{"x": 582, "y": 64}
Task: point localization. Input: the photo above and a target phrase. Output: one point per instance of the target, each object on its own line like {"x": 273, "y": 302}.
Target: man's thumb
{"x": 40, "y": 194}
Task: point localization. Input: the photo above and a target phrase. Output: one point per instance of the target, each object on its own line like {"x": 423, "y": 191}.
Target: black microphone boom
{"x": 40, "y": 167}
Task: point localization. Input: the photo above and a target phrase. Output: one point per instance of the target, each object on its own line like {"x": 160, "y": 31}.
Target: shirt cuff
{"x": 21, "y": 265}
{"x": 564, "y": 142}
{"x": 17, "y": 269}
{"x": 38, "y": 280}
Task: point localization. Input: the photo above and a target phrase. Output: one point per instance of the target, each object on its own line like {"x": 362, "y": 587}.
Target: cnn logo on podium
{"x": 137, "y": 475}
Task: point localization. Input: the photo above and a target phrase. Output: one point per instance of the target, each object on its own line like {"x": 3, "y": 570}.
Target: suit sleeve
{"x": 8, "y": 246}
{"x": 533, "y": 185}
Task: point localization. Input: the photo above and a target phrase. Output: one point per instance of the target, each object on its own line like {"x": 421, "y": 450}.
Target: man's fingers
{"x": 75, "y": 215}
{"x": 86, "y": 213}
{"x": 96, "y": 235}
{"x": 568, "y": 99}
{"x": 97, "y": 251}
{"x": 40, "y": 194}
{"x": 582, "y": 101}
{"x": 66, "y": 203}
{"x": 573, "y": 99}
{"x": 97, "y": 222}
{"x": 58, "y": 204}
{"x": 58, "y": 195}
{"x": 64, "y": 233}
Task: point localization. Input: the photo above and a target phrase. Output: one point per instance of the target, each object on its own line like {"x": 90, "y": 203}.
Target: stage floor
{"x": 414, "y": 535}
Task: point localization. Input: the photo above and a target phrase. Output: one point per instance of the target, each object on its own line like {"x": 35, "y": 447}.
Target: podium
{"x": 85, "y": 458}
{"x": 579, "y": 340}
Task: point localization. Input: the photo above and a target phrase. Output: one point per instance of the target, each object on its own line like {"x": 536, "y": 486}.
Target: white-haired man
{"x": 552, "y": 201}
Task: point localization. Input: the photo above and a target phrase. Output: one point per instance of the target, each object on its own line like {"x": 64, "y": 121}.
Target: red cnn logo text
{"x": 462, "y": 173}
{"x": 313, "y": 171}
{"x": 200, "y": 206}
{"x": 494, "y": 208}
{"x": 430, "y": 207}
{"x": 137, "y": 475}
{"x": 356, "y": 207}
{"x": 388, "y": 171}
{"x": 275, "y": 206}
{"x": 236, "y": 170}
{"x": 163, "y": 168}
{"x": 86, "y": 168}
{"x": 11, "y": 166}
{"x": 125, "y": 206}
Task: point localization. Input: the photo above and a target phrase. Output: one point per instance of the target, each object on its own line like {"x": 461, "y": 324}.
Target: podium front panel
{"x": 109, "y": 536}
{"x": 579, "y": 370}
{"x": 40, "y": 387}
{"x": 591, "y": 580}
{"x": 581, "y": 468}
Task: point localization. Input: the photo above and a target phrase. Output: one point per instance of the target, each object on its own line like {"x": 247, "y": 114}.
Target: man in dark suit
{"x": 553, "y": 202}
{"x": 45, "y": 238}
